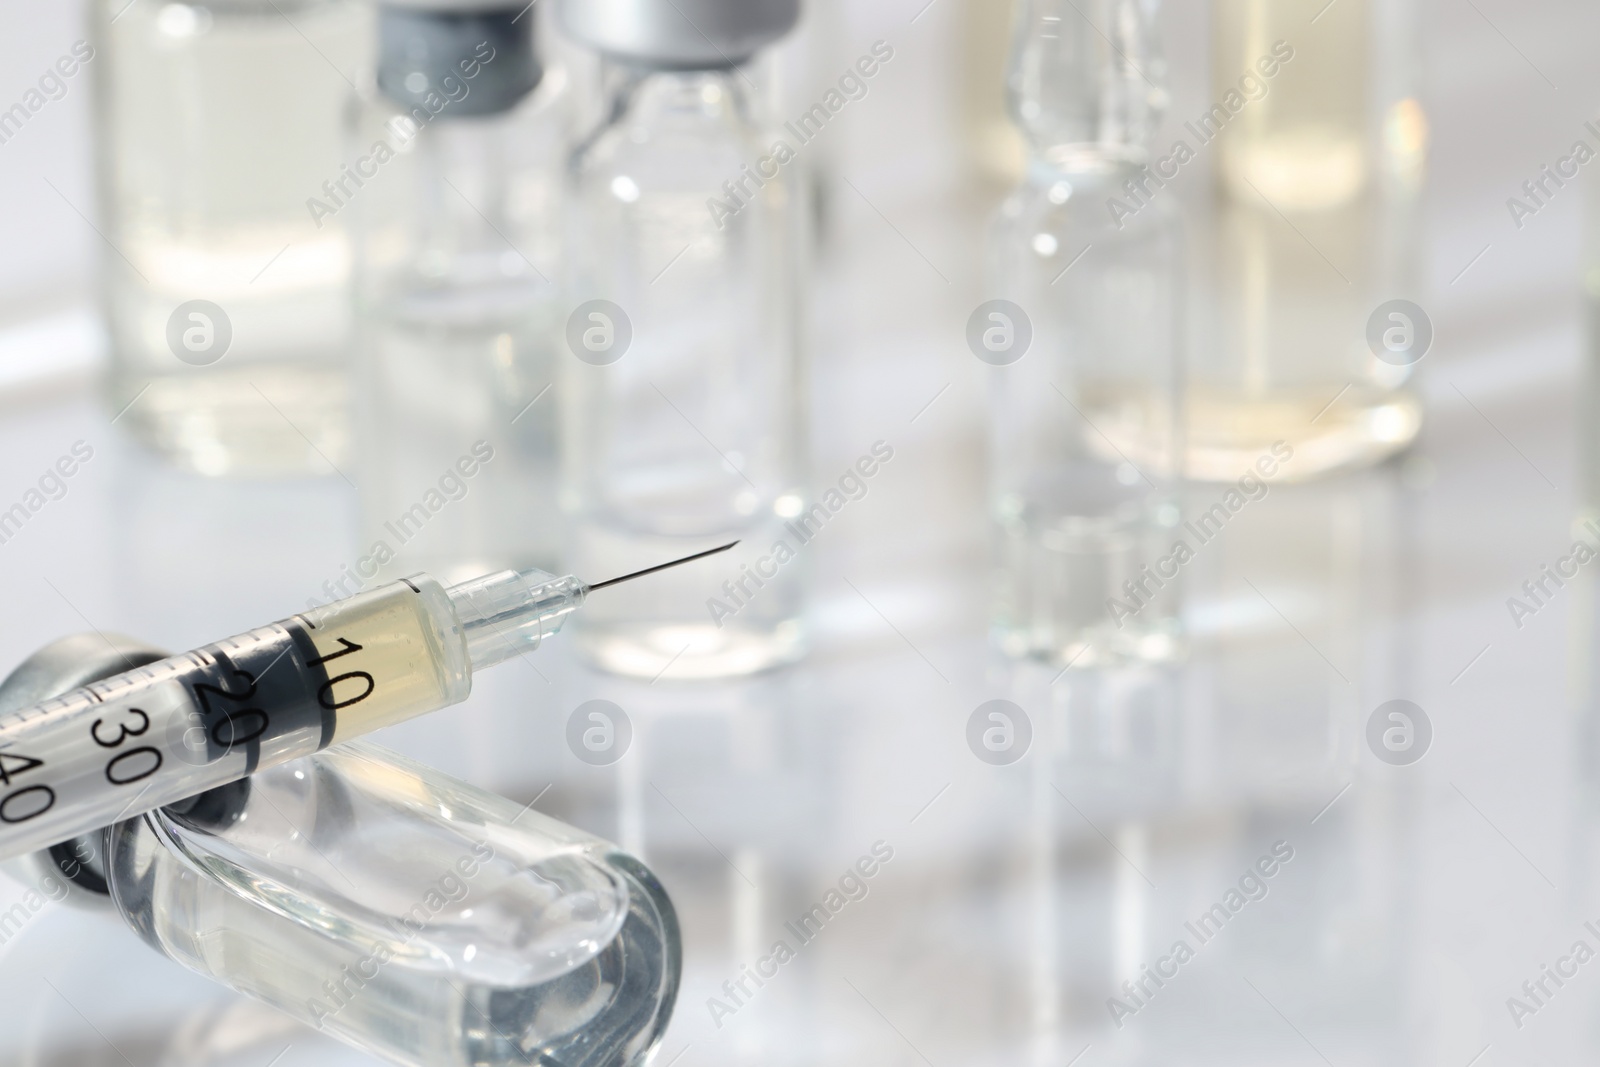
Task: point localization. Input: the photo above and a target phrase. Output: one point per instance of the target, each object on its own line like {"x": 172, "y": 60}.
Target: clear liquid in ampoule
{"x": 1071, "y": 542}
{"x": 407, "y": 914}
{"x": 715, "y": 356}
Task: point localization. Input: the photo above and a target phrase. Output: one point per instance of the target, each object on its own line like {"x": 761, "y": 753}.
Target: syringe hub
{"x": 506, "y": 614}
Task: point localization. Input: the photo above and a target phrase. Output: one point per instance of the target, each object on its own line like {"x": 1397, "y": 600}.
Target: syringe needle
{"x": 661, "y": 567}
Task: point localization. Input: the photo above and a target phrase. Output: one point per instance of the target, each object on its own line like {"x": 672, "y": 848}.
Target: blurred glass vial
{"x": 1087, "y": 387}
{"x": 457, "y": 196}
{"x": 226, "y": 299}
{"x": 683, "y": 393}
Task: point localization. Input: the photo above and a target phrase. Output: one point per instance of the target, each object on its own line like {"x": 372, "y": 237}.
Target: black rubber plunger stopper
{"x": 215, "y": 809}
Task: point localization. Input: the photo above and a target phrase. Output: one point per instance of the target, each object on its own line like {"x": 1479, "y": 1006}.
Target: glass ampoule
{"x": 226, "y": 301}
{"x": 1318, "y": 149}
{"x": 694, "y": 431}
{"x": 456, "y": 184}
{"x": 1086, "y": 394}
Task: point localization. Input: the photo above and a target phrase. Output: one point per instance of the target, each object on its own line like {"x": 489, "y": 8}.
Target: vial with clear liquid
{"x": 455, "y": 168}
{"x": 1086, "y": 391}
{"x": 691, "y": 433}
{"x": 227, "y": 301}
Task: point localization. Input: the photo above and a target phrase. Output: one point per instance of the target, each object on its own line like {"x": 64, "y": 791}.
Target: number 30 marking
{"x": 144, "y": 726}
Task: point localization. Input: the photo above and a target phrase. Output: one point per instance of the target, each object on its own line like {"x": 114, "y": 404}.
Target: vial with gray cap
{"x": 684, "y": 402}
{"x": 388, "y": 905}
{"x": 455, "y": 189}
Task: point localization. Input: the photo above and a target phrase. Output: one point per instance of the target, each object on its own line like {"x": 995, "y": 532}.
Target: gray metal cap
{"x": 457, "y": 60}
{"x": 679, "y": 34}
{"x": 57, "y": 668}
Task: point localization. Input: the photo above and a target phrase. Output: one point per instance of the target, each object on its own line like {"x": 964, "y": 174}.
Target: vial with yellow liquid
{"x": 1317, "y": 147}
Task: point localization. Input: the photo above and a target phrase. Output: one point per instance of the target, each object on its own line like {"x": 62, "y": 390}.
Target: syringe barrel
{"x": 177, "y": 727}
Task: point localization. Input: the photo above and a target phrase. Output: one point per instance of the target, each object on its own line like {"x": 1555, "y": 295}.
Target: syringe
{"x": 173, "y": 729}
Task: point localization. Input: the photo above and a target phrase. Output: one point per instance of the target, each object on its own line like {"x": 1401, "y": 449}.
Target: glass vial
{"x": 407, "y": 914}
{"x": 454, "y": 174}
{"x": 684, "y": 407}
{"x": 227, "y": 301}
{"x": 1318, "y": 148}
{"x": 1086, "y": 391}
